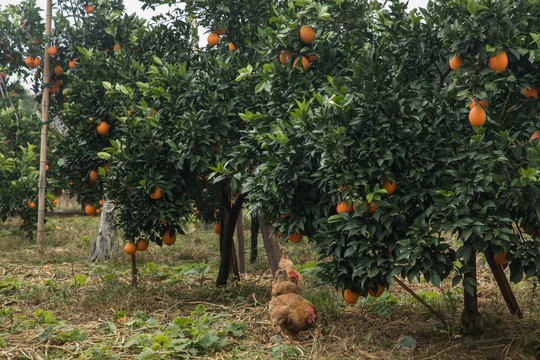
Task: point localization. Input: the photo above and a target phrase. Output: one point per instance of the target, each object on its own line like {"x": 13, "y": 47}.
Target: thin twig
{"x": 429, "y": 307}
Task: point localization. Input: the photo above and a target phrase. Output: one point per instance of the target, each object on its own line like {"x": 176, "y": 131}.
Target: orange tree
{"x": 179, "y": 120}
{"x": 389, "y": 133}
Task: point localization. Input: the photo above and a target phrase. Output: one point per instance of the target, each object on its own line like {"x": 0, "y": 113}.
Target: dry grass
{"x": 91, "y": 297}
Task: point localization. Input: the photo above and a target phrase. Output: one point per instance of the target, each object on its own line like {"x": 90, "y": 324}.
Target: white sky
{"x": 135, "y": 6}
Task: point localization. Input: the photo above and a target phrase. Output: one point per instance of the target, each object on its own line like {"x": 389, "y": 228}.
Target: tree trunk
{"x": 271, "y": 244}
{"x": 105, "y": 246}
{"x": 254, "y": 239}
{"x": 471, "y": 319}
{"x": 226, "y": 236}
{"x": 240, "y": 243}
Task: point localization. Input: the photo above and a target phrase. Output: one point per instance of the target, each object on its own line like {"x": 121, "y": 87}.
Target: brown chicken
{"x": 290, "y": 311}
{"x": 286, "y": 264}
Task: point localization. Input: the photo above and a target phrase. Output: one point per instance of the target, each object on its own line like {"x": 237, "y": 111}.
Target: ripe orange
{"x": 46, "y": 167}
{"x": 498, "y": 62}
{"x": 484, "y": 103}
{"x": 37, "y": 62}
{"x": 58, "y": 70}
{"x": 142, "y": 244}
{"x": 117, "y": 47}
{"x": 380, "y": 291}
{"x": 100, "y": 202}
{"x": 350, "y": 296}
{"x": 107, "y": 166}
{"x": 89, "y": 9}
{"x": 213, "y": 39}
{"x": 52, "y": 50}
{"x": 232, "y": 47}
{"x": 390, "y": 187}
{"x": 13, "y": 93}
{"x": 23, "y": 25}
{"x": 372, "y": 207}
{"x": 130, "y": 248}
{"x": 73, "y": 63}
{"x": 93, "y": 175}
{"x": 295, "y": 237}
{"x": 103, "y": 128}
{"x": 29, "y": 61}
{"x": 500, "y": 258}
{"x": 55, "y": 201}
{"x": 90, "y": 210}
{"x": 55, "y": 89}
{"x": 220, "y": 29}
{"x": 167, "y": 239}
{"x": 217, "y": 228}
{"x": 533, "y": 92}
{"x": 284, "y": 56}
{"x": 535, "y": 135}
{"x": 305, "y": 62}
{"x": 307, "y": 34}
{"x": 156, "y": 194}
{"x": 31, "y": 205}
{"x": 58, "y": 82}
{"x": 477, "y": 116}
{"x": 344, "y": 207}
{"x": 97, "y": 211}
{"x": 3, "y": 75}
{"x": 312, "y": 57}
{"x": 455, "y": 62}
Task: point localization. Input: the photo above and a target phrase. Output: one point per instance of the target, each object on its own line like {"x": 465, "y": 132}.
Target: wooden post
{"x": 271, "y": 244}
{"x": 240, "y": 242}
{"x": 504, "y": 286}
{"x": 133, "y": 270}
{"x": 254, "y": 238}
{"x": 44, "y": 121}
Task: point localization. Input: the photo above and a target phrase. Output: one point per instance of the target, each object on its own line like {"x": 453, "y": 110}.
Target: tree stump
{"x": 105, "y": 246}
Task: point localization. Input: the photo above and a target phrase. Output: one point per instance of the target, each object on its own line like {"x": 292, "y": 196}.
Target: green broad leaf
{"x": 455, "y": 280}
{"x": 471, "y": 6}
{"x": 2, "y": 343}
{"x": 335, "y": 219}
{"x": 146, "y": 354}
{"x": 82, "y": 50}
{"x": 490, "y": 48}
{"x": 268, "y": 67}
{"x": 199, "y": 310}
{"x": 157, "y": 60}
{"x": 46, "y": 334}
{"x": 107, "y": 85}
{"x": 536, "y": 38}
{"x": 263, "y": 85}
{"x": 103, "y": 155}
{"x": 78, "y": 335}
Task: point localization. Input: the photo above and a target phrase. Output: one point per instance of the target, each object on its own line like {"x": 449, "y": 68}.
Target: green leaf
{"x": 46, "y": 334}
{"x": 335, "y": 219}
{"x": 146, "y": 354}
{"x": 103, "y": 155}
{"x": 157, "y": 60}
{"x": 107, "y": 85}
{"x": 471, "y": 6}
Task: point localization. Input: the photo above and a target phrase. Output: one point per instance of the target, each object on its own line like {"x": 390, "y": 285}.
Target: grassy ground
{"x": 56, "y": 305}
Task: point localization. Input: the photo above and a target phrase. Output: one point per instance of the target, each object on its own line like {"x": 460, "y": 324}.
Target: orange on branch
{"x": 217, "y": 228}
{"x": 90, "y": 210}
{"x": 103, "y": 128}
{"x": 307, "y": 34}
{"x": 304, "y": 60}
{"x": 52, "y": 50}
{"x": 283, "y": 56}
{"x": 455, "y": 62}
{"x": 142, "y": 245}
{"x": 380, "y": 291}
{"x": 390, "y": 187}
{"x": 130, "y": 248}
{"x": 350, "y": 296}
{"x": 213, "y": 39}
{"x": 498, "y": 62}
{"x": 531, "y": 93}
{"x": 343, "y": 206}
{"x": 477, "y": 116}
{"x": 156, "y": 194}
{"x": 295, "y": 237}
{"x": 168, "y": 239}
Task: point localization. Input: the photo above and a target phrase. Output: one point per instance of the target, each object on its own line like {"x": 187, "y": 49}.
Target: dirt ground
{"x": 56, "y": 305}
